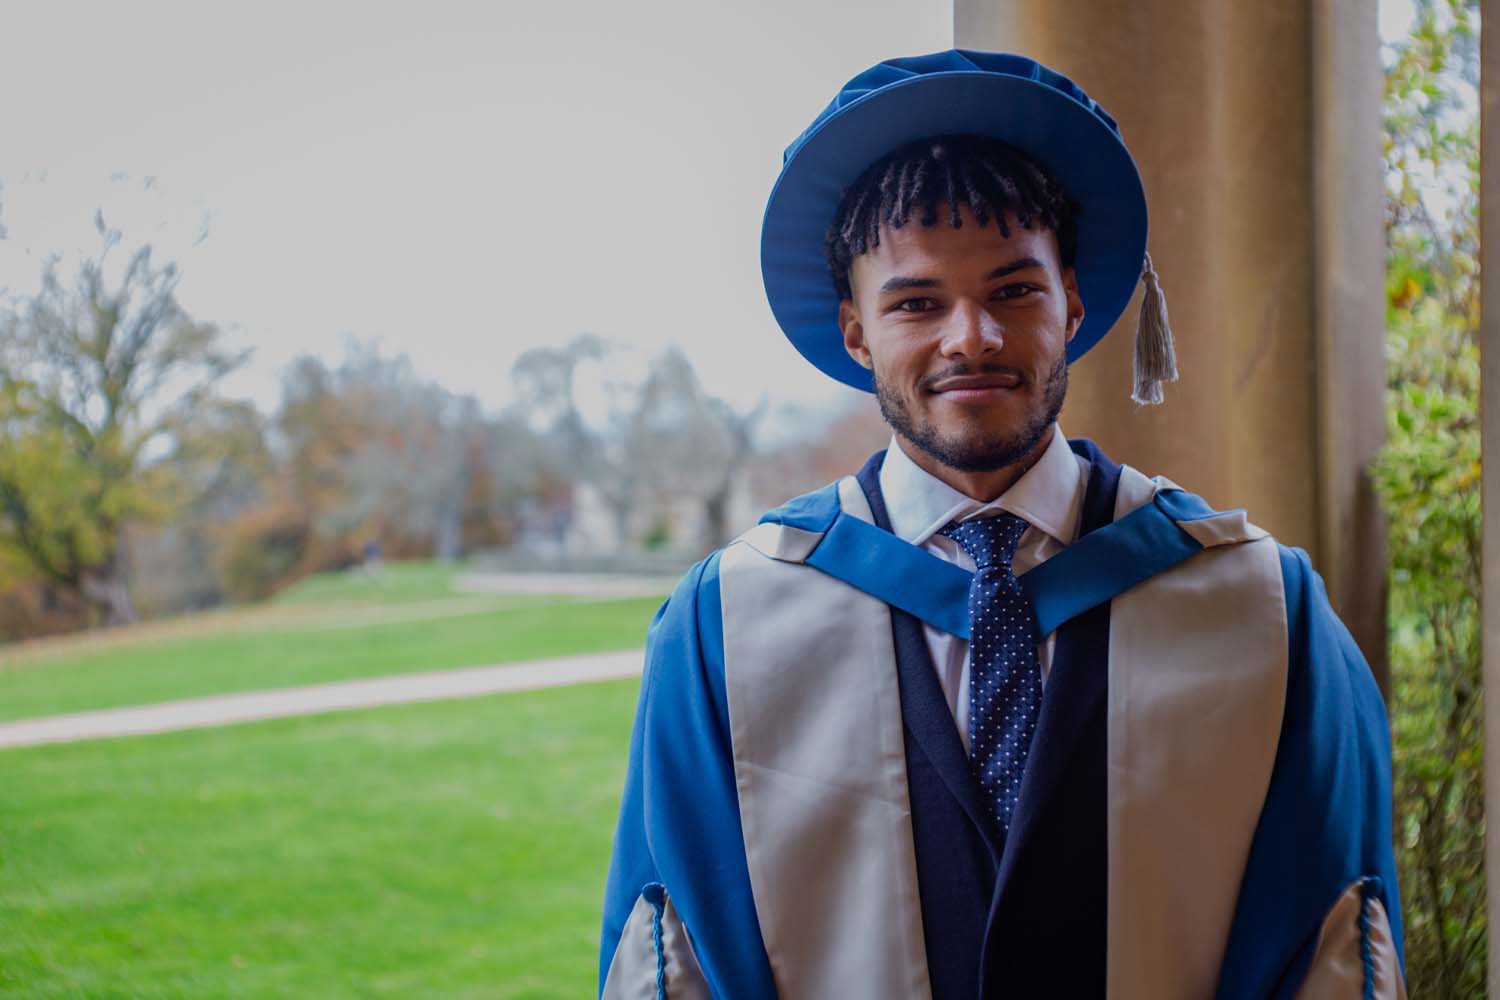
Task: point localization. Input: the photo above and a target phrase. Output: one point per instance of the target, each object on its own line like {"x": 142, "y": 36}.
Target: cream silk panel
{"x": 1197, "y": 686}
{"x": 1338, "y": 968}
{"x": 820, "y": 763}
{"x": 634, "y": 970}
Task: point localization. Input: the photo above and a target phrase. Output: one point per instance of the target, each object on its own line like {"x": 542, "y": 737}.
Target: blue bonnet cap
{"x": 1008, "y": 97}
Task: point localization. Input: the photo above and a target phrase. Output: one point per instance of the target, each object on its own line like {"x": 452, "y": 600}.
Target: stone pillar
{"x": 1256, "y": 127}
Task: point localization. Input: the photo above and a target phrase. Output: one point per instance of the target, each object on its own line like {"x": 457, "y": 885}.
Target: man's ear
{"x": 1075, "y": 301}
{"x": 854, "y": 334}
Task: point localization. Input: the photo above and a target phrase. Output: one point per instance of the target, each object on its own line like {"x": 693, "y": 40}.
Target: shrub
{"x": 1428, "y": 478}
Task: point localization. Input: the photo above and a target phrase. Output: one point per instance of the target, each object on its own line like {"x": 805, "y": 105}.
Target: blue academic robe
{"x": 1021, "y": 917}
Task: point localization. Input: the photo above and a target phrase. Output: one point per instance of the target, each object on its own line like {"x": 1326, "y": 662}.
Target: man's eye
{"x": 1014, "y": 291}
{"x": 916, "y": 305}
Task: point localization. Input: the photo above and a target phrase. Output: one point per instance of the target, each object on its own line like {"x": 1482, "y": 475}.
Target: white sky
{"x": 461, "y": 181}
{"x": 460, "y": 184}
{"x": 1395, "y": 19}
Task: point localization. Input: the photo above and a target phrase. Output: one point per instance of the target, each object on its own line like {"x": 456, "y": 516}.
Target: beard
{"x": 978, "y": 452}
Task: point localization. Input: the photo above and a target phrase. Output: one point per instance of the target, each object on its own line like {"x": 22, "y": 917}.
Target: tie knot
{"x": 989, "y": 541}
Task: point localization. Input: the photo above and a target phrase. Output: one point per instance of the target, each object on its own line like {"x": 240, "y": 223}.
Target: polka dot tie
{"x": 1005, "y": 676}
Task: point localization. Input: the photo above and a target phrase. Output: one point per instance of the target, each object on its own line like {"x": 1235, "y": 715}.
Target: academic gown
{"x": 1206, "y": 806}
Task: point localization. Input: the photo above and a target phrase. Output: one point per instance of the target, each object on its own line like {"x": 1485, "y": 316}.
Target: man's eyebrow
{"x": 1019, "y": 264}
{"x": 902, "y": 282}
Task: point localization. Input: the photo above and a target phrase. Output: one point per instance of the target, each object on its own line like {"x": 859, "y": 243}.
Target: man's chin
{"x": 975, "y": 453}
{"x": 988, "y": 439}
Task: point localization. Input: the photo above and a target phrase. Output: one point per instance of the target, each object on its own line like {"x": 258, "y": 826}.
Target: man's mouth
{"x": 979, "y": 386}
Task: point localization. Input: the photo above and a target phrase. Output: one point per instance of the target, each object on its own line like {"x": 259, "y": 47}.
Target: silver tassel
{"x": 1155, "y": 357}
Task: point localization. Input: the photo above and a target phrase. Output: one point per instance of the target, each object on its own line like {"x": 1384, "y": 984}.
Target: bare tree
{"x": 638, "y": 435}
{"x": 696, "y": 445}
{"x": 592, "y": 427}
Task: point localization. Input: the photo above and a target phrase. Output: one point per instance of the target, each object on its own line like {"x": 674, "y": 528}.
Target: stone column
{"x": 1256, "y": 127}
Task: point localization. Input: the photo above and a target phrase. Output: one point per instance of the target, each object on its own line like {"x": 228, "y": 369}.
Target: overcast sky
{"x": 460, "y": 182}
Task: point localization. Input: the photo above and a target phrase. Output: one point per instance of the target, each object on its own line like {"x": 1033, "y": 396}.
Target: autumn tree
{"x": 364, "y": 451}
{"x": 108, "y": 390}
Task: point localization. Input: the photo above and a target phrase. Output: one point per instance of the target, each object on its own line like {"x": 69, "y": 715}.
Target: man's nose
{"x": 971, "y": 331}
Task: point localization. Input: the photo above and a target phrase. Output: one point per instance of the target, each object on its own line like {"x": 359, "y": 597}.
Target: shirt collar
{"x": 1049, "y": 496}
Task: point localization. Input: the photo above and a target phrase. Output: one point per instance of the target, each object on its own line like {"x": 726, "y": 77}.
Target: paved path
{"x": 221, "y": 710}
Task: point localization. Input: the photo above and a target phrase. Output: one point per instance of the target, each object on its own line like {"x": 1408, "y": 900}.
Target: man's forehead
{"x": 940, "y": 246}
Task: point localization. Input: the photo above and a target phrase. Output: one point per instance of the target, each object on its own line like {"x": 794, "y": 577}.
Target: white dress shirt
{"x": 1049, "y": 497}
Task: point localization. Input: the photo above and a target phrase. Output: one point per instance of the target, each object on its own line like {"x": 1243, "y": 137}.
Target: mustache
{"x": 960, "y": 371}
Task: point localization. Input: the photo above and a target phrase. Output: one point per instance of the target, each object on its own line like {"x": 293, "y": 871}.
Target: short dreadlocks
{"x": 983, "y": 173}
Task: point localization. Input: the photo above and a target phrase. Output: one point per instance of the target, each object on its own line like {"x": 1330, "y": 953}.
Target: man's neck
{"x": 984, "y": 486}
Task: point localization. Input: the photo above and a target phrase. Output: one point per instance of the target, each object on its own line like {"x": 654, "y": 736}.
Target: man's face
{"x": 966, "y": 331}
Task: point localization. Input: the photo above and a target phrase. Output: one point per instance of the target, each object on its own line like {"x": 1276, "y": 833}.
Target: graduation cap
{"x": 1008, "y": 97}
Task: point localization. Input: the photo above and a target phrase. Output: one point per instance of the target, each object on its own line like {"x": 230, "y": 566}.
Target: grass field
{"x": 394, "y": 583}
{"x": 331, "y": 628}
{"x": 454, "y": 849}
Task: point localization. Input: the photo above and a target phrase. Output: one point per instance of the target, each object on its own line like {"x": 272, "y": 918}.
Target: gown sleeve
{"x": 679, "y": 919}
{"x": 1319, "y": 914}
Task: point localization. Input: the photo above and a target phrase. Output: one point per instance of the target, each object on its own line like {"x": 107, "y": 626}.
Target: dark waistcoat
{"x": 1019, "y": 916}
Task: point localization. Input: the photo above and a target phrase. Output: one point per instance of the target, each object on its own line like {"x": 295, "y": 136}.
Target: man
{"x": 996, "y": 716}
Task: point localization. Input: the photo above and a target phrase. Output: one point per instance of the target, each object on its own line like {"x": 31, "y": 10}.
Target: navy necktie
{"x": 1005, "y": 676}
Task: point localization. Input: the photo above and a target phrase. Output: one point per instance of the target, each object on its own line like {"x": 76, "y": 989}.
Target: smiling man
{"x": 965, "y": 326}
{"x": 994, "y": 716}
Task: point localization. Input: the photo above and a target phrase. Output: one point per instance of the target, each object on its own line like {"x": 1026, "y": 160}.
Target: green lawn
{"x": 454, "y": 849}
{"x": 238, "y": 660}
{"x": 408, "y": 581}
